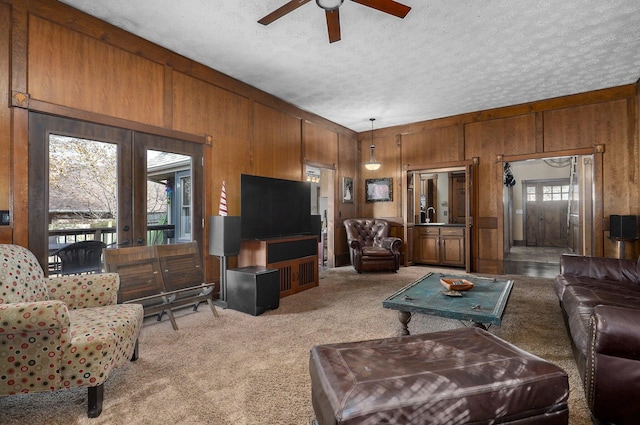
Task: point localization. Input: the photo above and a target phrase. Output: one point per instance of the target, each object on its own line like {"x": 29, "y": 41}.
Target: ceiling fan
{"x": 333, "y": 16}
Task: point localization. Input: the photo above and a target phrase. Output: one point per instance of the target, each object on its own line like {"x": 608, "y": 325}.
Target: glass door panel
{"x": 85, "y": 189}
{"x": 168, "y": 206}
{"x": 171, "y": 210}
{"x": 83, "y": 197}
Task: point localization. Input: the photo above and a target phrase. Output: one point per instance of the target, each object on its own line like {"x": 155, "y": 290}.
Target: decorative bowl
{"x": 456, "y": 284}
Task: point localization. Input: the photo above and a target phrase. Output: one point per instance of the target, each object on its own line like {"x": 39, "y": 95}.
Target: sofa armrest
{"x": 392, "y": 243}
{"x": 85, "y": 291}
{"x": 612, "y": 376}
{"x": 614, "y": 331}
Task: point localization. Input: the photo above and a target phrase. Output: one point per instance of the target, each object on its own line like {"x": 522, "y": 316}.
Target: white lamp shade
{"x": 372, "y": 166}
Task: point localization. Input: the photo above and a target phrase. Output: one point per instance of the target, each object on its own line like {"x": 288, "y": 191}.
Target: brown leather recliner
{"x": 371, "y": 246}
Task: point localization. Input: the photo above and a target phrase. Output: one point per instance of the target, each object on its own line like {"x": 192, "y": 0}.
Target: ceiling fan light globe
{"x": 329, "y": 4}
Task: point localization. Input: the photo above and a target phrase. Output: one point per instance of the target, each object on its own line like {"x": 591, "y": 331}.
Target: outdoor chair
{"x": 81, "y": 257}
{"x": 61, "y": 332}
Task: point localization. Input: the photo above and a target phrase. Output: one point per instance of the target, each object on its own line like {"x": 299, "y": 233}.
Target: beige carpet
{"x": 245, "y": 370}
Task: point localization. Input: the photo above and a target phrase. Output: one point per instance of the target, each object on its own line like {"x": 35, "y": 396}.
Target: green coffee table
{"x": 483, "y": 305}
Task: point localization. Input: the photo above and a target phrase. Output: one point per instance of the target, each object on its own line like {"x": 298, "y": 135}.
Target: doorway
{"x": 439, "y": 197}
{"x": 109, "y": 184}
{"x": 458, "y": 197}
{"x": 548, "y": 212}
{"x": 322, "y": 204}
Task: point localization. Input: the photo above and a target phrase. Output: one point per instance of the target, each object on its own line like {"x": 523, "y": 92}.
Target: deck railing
{"x": 157, "y": 234}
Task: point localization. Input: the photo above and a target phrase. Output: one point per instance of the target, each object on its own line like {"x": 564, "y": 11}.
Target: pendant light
{"x": 372, "y": 165}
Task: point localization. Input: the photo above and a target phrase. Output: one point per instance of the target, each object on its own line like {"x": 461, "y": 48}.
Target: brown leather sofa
{"x": 600, "y": 299}
{"x": 370, "y": 245}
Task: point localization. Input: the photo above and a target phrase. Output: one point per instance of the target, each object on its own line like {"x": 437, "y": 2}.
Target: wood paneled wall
{"x": 603, "y": 122}
{"x": 90, "y": 75}
{"x": 320, "y": 145}
{"x": 55, "y": 59}
{"x": 58, "y": 60}
{"x": 5, "y": 118}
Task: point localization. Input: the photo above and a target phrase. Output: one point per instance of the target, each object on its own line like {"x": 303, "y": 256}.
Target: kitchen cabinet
{"x": 439, "y": 245}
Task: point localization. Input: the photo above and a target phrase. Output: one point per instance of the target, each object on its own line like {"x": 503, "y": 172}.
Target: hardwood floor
{"x": 534, "y": 261}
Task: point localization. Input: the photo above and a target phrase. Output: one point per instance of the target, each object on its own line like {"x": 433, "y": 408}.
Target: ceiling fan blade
{"x": 388, "y": 6}
{"x": 333, "y": 25}
{"x": 283, "y": 10}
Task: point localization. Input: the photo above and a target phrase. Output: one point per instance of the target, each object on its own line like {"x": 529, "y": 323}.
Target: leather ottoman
{"x": 462, "y": 376}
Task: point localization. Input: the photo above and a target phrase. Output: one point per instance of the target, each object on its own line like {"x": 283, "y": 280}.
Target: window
{"x": 550, "y": 192}
{"x": 555, "y": 193}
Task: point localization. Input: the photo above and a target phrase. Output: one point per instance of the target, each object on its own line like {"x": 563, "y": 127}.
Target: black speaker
{"x": 253, "y": 289}
{"x": 623, "y": 226}
{"x": 290, "y": 250}
{"x": 224, "y": 235}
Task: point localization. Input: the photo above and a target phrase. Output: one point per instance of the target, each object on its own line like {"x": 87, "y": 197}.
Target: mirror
{"x": 440, "y": 196}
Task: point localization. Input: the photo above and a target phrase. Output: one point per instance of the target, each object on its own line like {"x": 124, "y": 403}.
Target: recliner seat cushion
{"x": 375, "y": 251}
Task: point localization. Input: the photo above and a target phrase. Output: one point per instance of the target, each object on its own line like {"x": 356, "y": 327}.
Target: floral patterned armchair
{"x": 61, "y": 332}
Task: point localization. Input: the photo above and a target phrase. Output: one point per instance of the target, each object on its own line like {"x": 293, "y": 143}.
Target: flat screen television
{"x": 272, "y": 208}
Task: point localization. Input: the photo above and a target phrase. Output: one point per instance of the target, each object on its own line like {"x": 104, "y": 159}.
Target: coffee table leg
{"x": 479, "y": 325}
{"x": 405, "y": 318}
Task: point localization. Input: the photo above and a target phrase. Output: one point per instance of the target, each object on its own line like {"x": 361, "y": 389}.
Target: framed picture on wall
{"x": 379, "y": 190}
{"x": 347, "y": 190}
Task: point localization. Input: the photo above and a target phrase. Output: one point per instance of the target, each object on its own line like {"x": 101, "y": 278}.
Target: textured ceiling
{"x": 445, "y": 58}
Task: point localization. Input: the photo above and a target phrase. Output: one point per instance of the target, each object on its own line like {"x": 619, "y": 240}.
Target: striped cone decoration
{"x": 222, "y": 208}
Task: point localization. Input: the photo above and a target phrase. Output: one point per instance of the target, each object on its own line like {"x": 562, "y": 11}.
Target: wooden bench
{"x": 161, "y": 277}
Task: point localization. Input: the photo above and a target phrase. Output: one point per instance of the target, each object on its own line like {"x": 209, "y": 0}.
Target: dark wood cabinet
{"x": 439, "y": 245}
{"x": 295, "y": 257}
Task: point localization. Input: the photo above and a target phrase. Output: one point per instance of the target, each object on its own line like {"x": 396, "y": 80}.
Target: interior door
{"x": 458, "y": 197}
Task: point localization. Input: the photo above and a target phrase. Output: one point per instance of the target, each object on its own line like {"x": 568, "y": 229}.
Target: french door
{"x": 126, "y": 188}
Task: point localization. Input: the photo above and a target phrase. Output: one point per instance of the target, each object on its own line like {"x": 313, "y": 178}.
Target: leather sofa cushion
{"x": 620, "y": 287}
{"x": 461, "y": 376}
{"x": 580, "y": 300}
